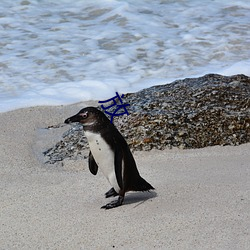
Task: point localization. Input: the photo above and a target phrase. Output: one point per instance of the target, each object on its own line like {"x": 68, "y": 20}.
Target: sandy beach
{"x": 201, "y": 198}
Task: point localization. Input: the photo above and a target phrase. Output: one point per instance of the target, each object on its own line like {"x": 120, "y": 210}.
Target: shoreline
{"x": 201, "y": 198}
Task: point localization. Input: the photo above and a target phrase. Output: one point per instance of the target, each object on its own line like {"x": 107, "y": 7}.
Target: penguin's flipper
{"x": 115, "y": 203}
{"x": 93, "y": 167}
{"x": 118, "y": 166}
{"x": 111, "y": 193}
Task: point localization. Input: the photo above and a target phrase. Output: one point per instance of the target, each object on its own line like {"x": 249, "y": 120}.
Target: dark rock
{"x": 190, "y": 113}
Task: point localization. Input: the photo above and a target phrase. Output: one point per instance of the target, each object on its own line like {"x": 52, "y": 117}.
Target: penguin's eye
{"x": 84, "y": 115}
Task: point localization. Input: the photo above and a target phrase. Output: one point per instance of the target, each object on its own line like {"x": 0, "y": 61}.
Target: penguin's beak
{"x": 74, "y": 118}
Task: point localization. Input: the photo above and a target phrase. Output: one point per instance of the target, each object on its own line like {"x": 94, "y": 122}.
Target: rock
{"x": 190, "y": 113}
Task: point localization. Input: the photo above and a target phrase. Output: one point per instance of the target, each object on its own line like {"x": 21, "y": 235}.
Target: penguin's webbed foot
{"x": 113, "y": 204}
{"x": 111, "y": 193}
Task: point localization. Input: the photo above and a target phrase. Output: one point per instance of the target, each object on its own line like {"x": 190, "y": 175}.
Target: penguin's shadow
{"x": 137, "y": 198}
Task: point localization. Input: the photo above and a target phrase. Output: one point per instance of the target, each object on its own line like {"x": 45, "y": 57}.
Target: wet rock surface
{"x": 190, "y": 113}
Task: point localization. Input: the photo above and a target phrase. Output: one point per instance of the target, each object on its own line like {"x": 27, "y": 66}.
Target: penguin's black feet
{"x": 111, "y": 193}
{"x": 113, "y": 204}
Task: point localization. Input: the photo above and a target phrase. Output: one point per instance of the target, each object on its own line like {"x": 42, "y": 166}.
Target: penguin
{"x": 110, "y": 152}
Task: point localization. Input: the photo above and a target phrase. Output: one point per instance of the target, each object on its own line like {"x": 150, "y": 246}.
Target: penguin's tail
{"x": 141, "y": 185}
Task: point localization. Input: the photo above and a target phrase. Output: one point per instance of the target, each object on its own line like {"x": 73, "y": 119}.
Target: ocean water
{"x": 61, "y": 52}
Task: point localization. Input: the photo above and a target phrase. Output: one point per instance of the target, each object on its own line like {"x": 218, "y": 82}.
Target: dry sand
{"x": 201, "y": 201}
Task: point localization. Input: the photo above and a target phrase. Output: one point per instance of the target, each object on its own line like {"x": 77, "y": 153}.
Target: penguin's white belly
{"x": 104, "y": 157}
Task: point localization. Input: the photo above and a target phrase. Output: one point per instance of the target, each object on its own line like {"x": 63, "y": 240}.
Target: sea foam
{"x": 63, "y": 52}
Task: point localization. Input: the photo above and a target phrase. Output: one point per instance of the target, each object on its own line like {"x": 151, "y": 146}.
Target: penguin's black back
{"x": 132, "y": 180}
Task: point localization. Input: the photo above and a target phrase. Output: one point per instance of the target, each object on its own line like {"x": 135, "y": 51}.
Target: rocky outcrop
{"x": 190, "y": 113}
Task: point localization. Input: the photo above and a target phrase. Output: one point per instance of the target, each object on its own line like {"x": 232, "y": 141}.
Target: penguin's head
{"x": 89, "y": 117}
